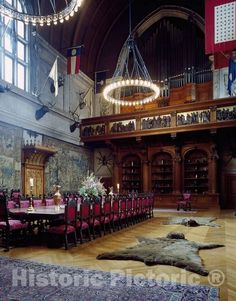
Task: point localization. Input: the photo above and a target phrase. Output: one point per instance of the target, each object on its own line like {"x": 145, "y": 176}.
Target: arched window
{"x": 14, "y": 56}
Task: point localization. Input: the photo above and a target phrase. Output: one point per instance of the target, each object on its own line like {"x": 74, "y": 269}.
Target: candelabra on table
{"x": 31, "y": 208}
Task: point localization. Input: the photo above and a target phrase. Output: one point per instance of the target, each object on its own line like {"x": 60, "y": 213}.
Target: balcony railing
{"x": 187, "y": 117}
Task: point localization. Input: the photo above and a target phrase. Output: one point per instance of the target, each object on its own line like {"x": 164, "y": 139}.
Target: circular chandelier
{"x": 139, "y": 84}
{"x": 58, "y": 15}
{"x": 131, "y": 77}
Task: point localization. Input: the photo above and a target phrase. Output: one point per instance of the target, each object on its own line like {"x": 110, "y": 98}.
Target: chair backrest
{"x": 11, "y": 204}
{"x": 38, "y": 203}
{"x": 3, "y": 208}
{"x": 186, "y": 196}
{"x": 123, "y": 205}
{"x": 107, "y": 207}
{"x": 49, "y": 202}
{"x": 71, "y": 212}
{"x": 16, "y": 195}
{"x": 84, "y": 211}
{"x": 97, "y": 209}
{"x": 129, "y": 204}
{"x": 24, "y": 203}
{"x": 116, "y": 206}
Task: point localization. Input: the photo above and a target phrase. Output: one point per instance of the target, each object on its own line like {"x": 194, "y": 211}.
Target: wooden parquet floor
{"x": 221, "y": 259}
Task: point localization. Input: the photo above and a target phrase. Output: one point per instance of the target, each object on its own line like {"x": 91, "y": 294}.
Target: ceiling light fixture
{"x": 68, "y": 11}
{"x": 130, "y": 77}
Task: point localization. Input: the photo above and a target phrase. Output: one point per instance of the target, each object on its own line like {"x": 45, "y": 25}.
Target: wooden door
{"x": 230, "y": 181}
{"x": 37, "y": 174}
{"x": 34, "y": 158}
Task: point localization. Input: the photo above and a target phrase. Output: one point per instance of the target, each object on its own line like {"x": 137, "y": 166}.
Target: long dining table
{"x": 38, "y": 219}
{"x": 47, "y": 212}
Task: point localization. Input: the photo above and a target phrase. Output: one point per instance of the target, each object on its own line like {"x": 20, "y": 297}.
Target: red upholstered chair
{"x": 115, "y": 214}
{"x": 9, "y": 227}
{"x": 123, "y": 213}
{"x": 107, "y": 216}
{"x": 95, "y": 222}
{"x": 69, "y": 225}
{"x": 24, "y": 203}
{"x": 37, "y": 203}
{"x": 11, "y": 204}
{"x": 84, "y": 219}
{"x": 185, "y": 202}
{"x": 49, "y": 202}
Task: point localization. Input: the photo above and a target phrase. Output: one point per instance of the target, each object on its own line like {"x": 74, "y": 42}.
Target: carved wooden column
{"x": 145, "y": 175}
{"x": 177, "y": 172}
{"x": 212, "y": 163}
{"x": 116, "y": 176}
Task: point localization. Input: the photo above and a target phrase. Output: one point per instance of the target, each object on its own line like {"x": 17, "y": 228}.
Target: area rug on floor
{"x": 23, "y": 280}
{"x": 191, "y": 221}
{"x": 173, "y": 250}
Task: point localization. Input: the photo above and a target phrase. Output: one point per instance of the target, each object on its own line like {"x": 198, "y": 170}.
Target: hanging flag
{"x": 73, "y": 60}
{"x": 232, "y": 77}
{"x": 54, "y": 76}
{"x": 100, "y": 81}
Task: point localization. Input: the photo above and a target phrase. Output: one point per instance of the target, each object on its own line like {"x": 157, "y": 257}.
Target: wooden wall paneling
{"x": 230, "y": 190}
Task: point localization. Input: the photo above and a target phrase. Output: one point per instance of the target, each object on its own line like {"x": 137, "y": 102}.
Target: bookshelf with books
{"x": 131, "y": 174}
{"x": 162, "y": 173}
{"x": 196, "y": 172}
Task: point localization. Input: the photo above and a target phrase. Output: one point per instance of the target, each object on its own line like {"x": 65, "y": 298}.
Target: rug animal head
{"x": 175, "y": 235}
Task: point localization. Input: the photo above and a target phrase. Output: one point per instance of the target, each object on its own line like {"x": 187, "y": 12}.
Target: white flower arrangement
{"x": 92, "y": 187}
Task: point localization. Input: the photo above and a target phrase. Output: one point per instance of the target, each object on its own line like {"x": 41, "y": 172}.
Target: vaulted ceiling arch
{"x": 168, "y": 11}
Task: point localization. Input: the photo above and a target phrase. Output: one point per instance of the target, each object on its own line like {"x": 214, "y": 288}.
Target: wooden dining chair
{"x": 95, "y": 221}
{"x": 184, "y": 202}
{"x": 68, "y": 227}
{"x": 10, "y": 229}
{"x": 106, "y": 216}
{"x": 84, "y": 221}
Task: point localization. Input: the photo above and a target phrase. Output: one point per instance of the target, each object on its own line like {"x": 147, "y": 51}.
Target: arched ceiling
{"x": 101, "y": 26}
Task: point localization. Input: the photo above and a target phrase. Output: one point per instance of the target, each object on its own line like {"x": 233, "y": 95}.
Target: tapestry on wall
{"x": 173, "y": 250}
{"x": 68, "y": 167}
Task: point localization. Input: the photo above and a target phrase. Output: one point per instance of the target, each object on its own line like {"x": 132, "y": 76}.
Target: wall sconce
{"x": 74, "y": 126}
{"x": 41, "y": 112}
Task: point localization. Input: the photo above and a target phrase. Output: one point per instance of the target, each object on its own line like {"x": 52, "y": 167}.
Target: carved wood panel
{"x": 37, "y": 174}
{"x": 34, "y": 159}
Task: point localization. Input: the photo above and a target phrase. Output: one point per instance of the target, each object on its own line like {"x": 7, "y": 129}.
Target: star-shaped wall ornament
{"x": 173, "y": 250}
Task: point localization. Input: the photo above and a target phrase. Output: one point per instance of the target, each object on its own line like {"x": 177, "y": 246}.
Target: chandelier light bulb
{"x": 68, "y": 10}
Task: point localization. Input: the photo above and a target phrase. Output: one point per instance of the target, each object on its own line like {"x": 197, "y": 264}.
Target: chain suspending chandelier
{"x": 56, "y": 11}
{"x": 130, "y": 77}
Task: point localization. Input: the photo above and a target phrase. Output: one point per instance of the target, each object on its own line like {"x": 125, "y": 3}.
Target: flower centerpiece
{"x": 92, "y": 188}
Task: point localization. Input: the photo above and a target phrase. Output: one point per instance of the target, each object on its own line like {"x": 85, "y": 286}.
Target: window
{"x": 14, "y": 49}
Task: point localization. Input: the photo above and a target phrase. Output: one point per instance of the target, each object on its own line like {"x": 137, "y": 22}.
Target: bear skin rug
{"x": 192, "y": 221}
{"x": 173, "y": 250}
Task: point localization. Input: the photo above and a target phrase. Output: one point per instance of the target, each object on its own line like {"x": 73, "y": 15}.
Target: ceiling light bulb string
{"x": 131, "y": 76}
{"x": 38, "y": 19}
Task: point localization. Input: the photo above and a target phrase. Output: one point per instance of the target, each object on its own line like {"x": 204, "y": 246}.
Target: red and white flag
{"x": 73, "y": 60}
{"x": 220, "y": 16}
